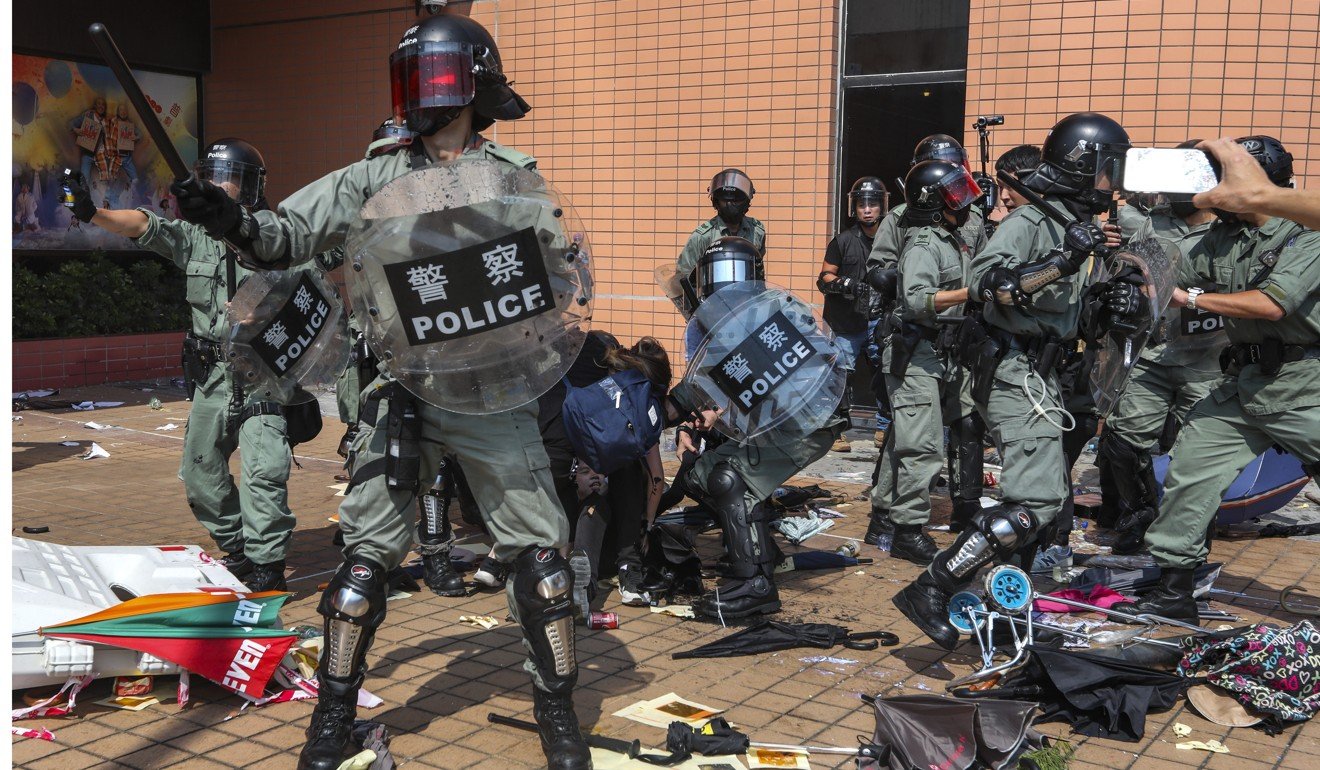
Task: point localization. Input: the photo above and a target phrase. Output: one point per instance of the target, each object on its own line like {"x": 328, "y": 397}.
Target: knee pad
{"x": 542, "y": 589}
{"x": 996, "y": 533}
{"x": 724, "y": 481}
{"x": 353, "y": 606}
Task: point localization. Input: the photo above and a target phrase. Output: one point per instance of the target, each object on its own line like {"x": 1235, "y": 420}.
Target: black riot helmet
{"x": 940, "y": 147}
{"x": 728, "y": 260}
{"x": 868, "y": 188}
{"x": 388, "y": 137}
{"x": 1082, "y": 160}
{"x": 234, "y": 163}
{"x": 932, "y": 186}
{"x": 1272, "y": 157}
{"x": 444, "y": 63}
{"x": 731, "y": 181}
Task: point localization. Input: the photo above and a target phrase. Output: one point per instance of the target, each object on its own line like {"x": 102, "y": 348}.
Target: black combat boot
{"x": 740, "y": 597}
{"x": 880, "y": 524}
{"x": 267, "y": 577}
{"x": 561, "y": 737}
{"x": 439, "y": 575}
{"x": 1171, "y": 598}
{"x": 913, "y": 544}
{"x": 331, "y": 730}
{"x": 238, "y": 564}
{"x": 927, "y": 605}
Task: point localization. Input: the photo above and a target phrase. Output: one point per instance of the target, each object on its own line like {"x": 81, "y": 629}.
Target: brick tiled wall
{"x": 636, "y": 104}
{"x": 95, "y": 360}
{"x": 1168, "y": 70}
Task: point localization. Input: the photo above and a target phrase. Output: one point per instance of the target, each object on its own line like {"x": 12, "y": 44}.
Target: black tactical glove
{"x": 1001, "y": 286}
{"x": 885, "y": 283}
{"x": 1082, "y": 238}
{"x": 846, "y": 287}
{"x": 1124, "y": 298}
{"x": 205, "y": 204}
{"x": 82, "y": 206}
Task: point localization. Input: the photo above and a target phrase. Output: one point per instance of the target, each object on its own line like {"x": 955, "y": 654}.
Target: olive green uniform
{"x": 766, "y": 465}
{"x": 933, "y": 390}
{"x": 1250, "y": 410}
{"x": 892, "y": 234}
{"x": 501, "y": 454}
{"x": 1031, "y": 446}
{"x": 712, "y": 230}
{"x": 1170, "y": 377}
{"x": 252, "y": 517}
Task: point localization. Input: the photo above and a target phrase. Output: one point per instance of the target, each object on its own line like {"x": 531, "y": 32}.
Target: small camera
{"x": 432, "y": 6}
{"x": 989, "y": 120}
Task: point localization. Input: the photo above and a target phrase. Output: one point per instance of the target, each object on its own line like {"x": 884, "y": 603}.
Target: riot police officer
{"x": 1266, "y": 277}
{"x": 736, "y": 478}
{"x": 251, "y": 521}
{"x": 923, "y": 384}
{"x": 842, "y": 277}
{"x": 731, "y": 192}
{"x": 501, "y": 454}
{"x": 1032, "y": 280}
{"x": 966, "y": 432}
{"x": 1175, "y": 371}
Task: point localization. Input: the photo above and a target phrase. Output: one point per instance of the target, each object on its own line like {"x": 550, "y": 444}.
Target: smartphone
{"x": 1161, "y": 170}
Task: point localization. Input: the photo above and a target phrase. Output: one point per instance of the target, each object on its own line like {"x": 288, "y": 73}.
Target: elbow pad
{"x": 1015, "y": 285}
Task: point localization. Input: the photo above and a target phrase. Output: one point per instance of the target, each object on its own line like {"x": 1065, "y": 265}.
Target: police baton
{"x": 115, "y": 61}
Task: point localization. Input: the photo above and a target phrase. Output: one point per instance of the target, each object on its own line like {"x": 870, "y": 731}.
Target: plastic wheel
{"x": 958, "y": 616}
{"x": 1008, "y": 588}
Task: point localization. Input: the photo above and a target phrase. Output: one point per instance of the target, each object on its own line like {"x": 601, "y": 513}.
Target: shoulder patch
{"x": 704, "y": 227}
{"x": 509, "y": 155}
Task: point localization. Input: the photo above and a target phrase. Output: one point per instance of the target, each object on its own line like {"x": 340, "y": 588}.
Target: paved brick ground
{"x": 439, "y": 679}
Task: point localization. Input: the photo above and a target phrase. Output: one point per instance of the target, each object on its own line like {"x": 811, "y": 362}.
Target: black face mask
{"x": 961, "y": 216}
{"x": 731, "y": 212}
{"x": 1182, "y": 209}
{"x": 428, "y": 121}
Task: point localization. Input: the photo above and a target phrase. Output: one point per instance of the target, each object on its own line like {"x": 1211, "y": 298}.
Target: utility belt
{"x": 198, "y": 357}
{"x": 1270, "y": 354}
{"x": 1045, "y": 353}
{"x": 903, "y": 343}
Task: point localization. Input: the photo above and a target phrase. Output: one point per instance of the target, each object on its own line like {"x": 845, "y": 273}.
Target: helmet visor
{"x": 1109, "y": 166}
{"x": 243, "y": 182}
{"x": 432, "y": 74}
{"x": 725, "y": 268}
{"x": 958, "y": 189}
{"x": 731, "y": 181}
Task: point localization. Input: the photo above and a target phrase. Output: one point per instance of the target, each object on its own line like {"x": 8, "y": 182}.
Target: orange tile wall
{"x": 636, "y": 104}
{"x": 1168, "y": 70}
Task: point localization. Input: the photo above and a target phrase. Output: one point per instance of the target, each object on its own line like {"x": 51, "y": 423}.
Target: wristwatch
{"x": 1192, "y": 294}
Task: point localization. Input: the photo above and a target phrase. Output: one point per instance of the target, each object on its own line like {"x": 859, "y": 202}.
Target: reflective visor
{"x": 732, "y": 181}
{"x": 426, "y": 75}
{"x": 1109, "y": 166}
{"x": 247, "y": 179}
{"x": 713, "y": 276}
{"x": 959, "y": 189}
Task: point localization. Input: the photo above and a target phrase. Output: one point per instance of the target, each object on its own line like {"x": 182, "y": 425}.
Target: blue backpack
{"x": 613, "y": 422}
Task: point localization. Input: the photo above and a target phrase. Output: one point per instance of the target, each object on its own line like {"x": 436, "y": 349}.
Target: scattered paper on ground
{"x": 70, "y": 443}
{"x": 1214, "y": 746}
{"x": 659, "y": 712}
{"x": 602, "y": 759}
{"x": 677, "y": 610}
{"x": 827, "y": 659}
{"x": 1181, "y": 730}
{"x": 95, "y": 451}
{"x": 776, "y": 758}
{"x": 398, "y": 594}
{"x": 484, "y": 621}
{"x": 168, "y": 426}
{"x": 129, "y": 702}
{"x": 340, "y": 491}
{"x": 359, "y": 761}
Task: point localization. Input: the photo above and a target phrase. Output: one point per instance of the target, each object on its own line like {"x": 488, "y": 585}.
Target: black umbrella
{"x": 772, "y": 635}
{"x": 714, "y": 739}
{"x": 1098, "y": 696}
{"x": 923, "y": 731}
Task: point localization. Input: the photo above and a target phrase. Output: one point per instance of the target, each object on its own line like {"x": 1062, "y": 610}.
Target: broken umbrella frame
{"x": 1010, "y": 594}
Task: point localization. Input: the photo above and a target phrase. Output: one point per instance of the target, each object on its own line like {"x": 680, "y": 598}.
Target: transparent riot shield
{"x": 678, "y": 289}
{"x": 766, "y": 362}
{"x": 288, "y": 334}
{"x": 1158, "y": 263}
{"x": 474, "y": 284}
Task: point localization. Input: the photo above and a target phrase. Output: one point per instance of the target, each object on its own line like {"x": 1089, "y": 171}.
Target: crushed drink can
{"x": 603, "y": 620}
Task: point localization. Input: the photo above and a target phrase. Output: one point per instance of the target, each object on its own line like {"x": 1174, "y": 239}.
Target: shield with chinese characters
{"x": 288, "y": 335}
{"x": 765, "y": 361}
{"x": 1158, "y": 262}
{"x": 473, "y": 279}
